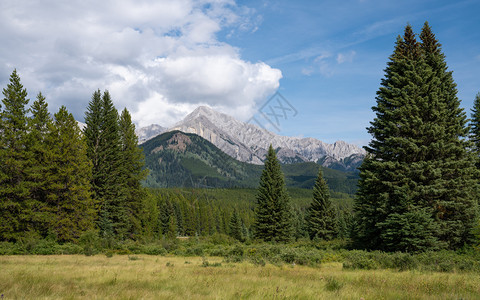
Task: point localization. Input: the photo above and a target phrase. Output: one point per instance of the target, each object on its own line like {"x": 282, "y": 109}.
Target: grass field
{"x": 160, "y": 277}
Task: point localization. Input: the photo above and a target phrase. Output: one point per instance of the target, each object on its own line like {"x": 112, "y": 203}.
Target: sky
{"x": 299, "y": 68}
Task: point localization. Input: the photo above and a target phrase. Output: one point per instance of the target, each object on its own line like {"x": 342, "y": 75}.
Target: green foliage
{"x": 177, "y": 159}
{"x": 321, "y": 217}
{"x": 418, "y": 174}
{"x": 117, "y": 170}
{"x": 15, "y": 205}
{"x": 132, "y": 173}
{"x": 90, "y": 242}
{"x": 235, "y": 226}
{"x": 41, "y": 151}
{"x": 273, "y": 212}
{"x": 475, "y": 128}
{"x": 333, "y": 284}
{"x": 69, "y": 204}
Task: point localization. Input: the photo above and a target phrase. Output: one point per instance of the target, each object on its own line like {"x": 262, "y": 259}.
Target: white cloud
{"x": 160, "y": 59}
{"x": 345, "y": 57}
{"x": 307, "y": 71}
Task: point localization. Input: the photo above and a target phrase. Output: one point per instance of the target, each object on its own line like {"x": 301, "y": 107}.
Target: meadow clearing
{"x": 175, "y": 277}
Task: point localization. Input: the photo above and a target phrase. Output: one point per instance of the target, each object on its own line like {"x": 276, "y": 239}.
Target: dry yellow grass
{"x": 154, "y": 277}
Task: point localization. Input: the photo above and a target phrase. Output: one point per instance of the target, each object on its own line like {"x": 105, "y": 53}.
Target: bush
{"x": 154, "y": 250}
{"x": 89, "y": 241}
{"x": 7, "y": 248}
{"x": 404, "y": 261}
{"x": 333, "y": 285}
{"x": 257, "y": 260}
{"x": 360, "y": 260}
{"x": 205, "y": 263}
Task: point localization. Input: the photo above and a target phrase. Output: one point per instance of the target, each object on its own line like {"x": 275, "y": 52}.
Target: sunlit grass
{"x": 156, "y": 277}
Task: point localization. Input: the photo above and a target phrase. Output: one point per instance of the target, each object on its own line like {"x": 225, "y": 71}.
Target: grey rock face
{"x": 249, "y": 143}
{"x": 148, "y": 132}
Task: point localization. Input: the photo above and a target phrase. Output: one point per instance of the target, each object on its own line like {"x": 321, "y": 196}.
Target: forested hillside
{"x": 177, "y": 159}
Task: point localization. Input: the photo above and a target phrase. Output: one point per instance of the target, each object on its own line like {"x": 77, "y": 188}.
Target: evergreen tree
{"x": 455, "y": 207}
{"x": 15, "y": 209}
{"x": 93, "y": 137}
{"x": 321, "y": 221}
{"x": 113, "y": 206}
{"x": 39, "y": 126}
{"x": 69, "y": 199}
{"x": 417, "y": 170}
{"x": 273, "y": 215}
{"x": 235, "y": 226}
{"x": 132, "y": 173}
{"x": 105, "y": 151}
{"x": 475, "y": 128}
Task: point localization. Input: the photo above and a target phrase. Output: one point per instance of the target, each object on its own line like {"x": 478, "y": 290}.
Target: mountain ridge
{"x": 249, "y": 143}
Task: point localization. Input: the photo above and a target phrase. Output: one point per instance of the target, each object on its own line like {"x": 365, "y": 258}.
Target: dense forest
{"x": 418, "y": 188}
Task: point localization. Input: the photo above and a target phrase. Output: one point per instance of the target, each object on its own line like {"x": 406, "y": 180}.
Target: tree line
{"x": 57, "y": 181}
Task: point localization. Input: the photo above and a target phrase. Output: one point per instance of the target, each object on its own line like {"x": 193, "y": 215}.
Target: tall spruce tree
{"x": 455, "y": 207}
{"x": 321, "y": 217}
{"x": 93, "y": 137}
{"x": 39, "y": 126}
{"x": 417, "y": 171}
{"x": 132, "y": 173}
{"x": 69, "y": 199}
{"x": 475, "y": 129}
{"x": 273, "y": 212}
{"x": 116, "y": 167}
{"x": 15, "y": 212}
{"x": 235, "y": 226}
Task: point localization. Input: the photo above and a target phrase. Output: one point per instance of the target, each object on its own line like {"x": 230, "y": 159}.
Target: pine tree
{"x": 235, "y": 226}
{"x": 104, "y": 150}
{"x": 453, "y": 199}
{"x": 93, "y": 137}
{"x": 132, "y": 173}
{"x": 39, "y": 126}
{"x": 321, "y": 219}
{"x": 69, "y": 199}
{"x": 417, "y": 171}
{"x": 273, "y": 215}
{"x": 15, "y": 210}
{"x": 475, "y": 129}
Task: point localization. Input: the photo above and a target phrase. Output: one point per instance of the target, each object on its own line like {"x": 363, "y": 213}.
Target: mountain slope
{"x": 177, "y": 159}
{"x": 248, "y": 143}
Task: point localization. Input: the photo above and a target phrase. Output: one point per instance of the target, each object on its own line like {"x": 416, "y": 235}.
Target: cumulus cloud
{"x": 158, "y": 58}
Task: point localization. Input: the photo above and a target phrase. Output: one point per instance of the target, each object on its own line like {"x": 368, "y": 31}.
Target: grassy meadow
{"x": 175, "y": 277}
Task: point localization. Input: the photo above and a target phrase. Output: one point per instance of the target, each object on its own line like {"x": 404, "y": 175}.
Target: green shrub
{"x": 154, "y": 250}
{"x": 359, "y": 260}
{"x": 332, "y": 284}
{"x": 257, "y": 260}
{"x": 7, "y": 248}
{"x": 89, "y": 241}
{"x": 403, "y": 261}
{"x": 206, "y": 263}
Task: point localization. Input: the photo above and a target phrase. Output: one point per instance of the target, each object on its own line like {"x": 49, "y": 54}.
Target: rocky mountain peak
{"x": 249, "y": 143}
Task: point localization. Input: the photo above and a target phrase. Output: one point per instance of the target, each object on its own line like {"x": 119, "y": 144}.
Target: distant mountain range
{"x": 249, "y": 143}
{"x": 178, "y": 159}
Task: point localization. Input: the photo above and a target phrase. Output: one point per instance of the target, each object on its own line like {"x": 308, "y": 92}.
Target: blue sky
{"x": 305, "y": 39}
{"x": 161, "y": 59}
